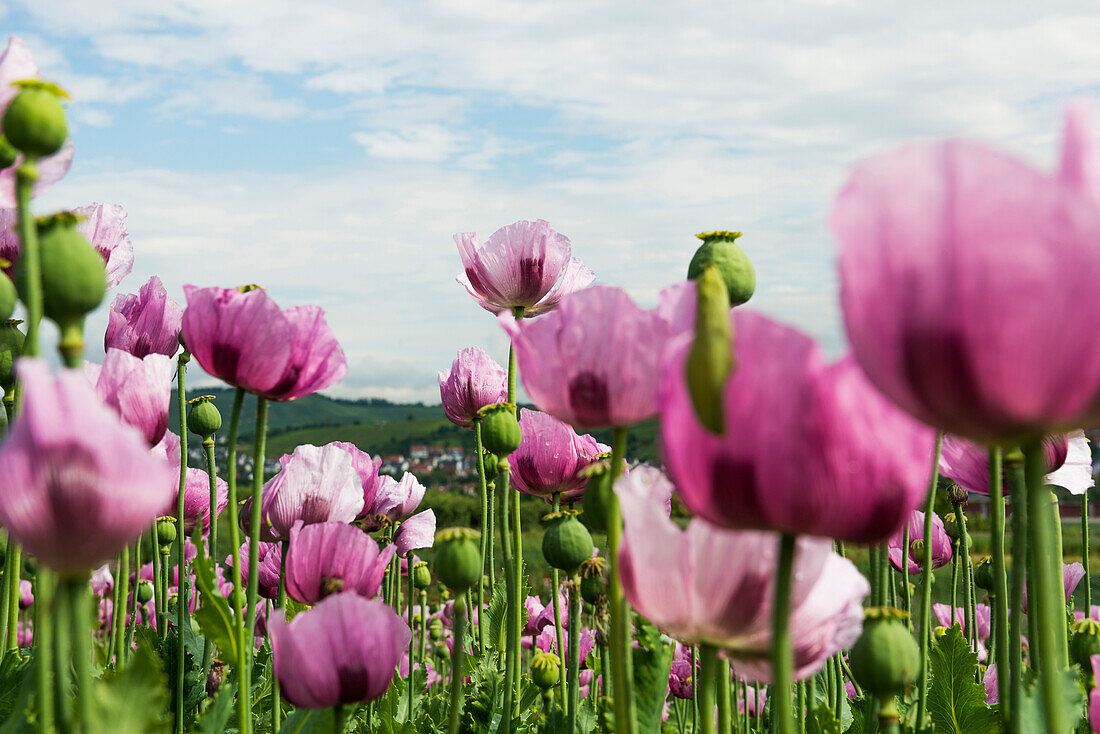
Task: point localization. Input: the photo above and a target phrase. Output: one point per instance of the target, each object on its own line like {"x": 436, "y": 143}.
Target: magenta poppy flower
{"x": 396, "y": 500}
{"x": 344, "y": 650}
{"x": 755, "y": 700}
{"x": 704, "y": 584}
{"x": 269, "y": 562}
{"x": 145, "y": 323}
{"x": 366, "y": 466}
{"x": 982, "y": 622}
{"x": 681, "y": 677}
{"x": 989, "y": 682}
{"x": 955, "y": 262}
{"x": 416, "y": 532}
{"x": 524, "y": 264}
{"x": 78, "y": 483}
{"x": 593, "y": 362}
{"x": 540, "y": 616}
{"x": 105, "y": 227}
{"x": 196, "y": 499}
{"x": 103, "y": 580}
{"x": 1068, "y": 457}
{"x": 330, "y": 557}
{"x": 139, "y": 390}
{"x": 1072, "y": 573}
{"x": 17, "y": 63}
{"x": 26, "y": 594}
{"x": 551, "y": 456}
{"x": 473, "y": 381}
{"x": 804, "y": 453}
{"x": 245, "y": 340}
{"x": 314, "y": 484}
{"x": 547, "y": 641}
{"x": 941, "y": 545}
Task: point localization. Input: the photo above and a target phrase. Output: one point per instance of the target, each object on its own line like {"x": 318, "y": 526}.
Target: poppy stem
{"x": 555, "y": 582}
{"x": 43, "y": 642}
{"x": 486, "y": 535}
{"x": 512, "y": 608}
{"x": 212, "y": 539}
{"x": 621, "y": 649}
{"x": 1000, "y": 580}
{"x": 340, "y": 714}
{"x": 1046, "y": 603}
{"x": 120, "y": 621}
{"x": 181, "y": 537}
{"x": 1085, "y": 552}
{"x": 276, "y": 694}
{"x": 903, "y": 561}
{"x": 707, "y": 675}
{"x": 926, "y": 590}
{"x": 964, "y": 569}
{"x": 237, "y": 597}
{"x": 133, "y": 621}
{"x": 782, "y": 652}
{"x": 457, "y": 653}
{"x": 26, "y": 175}
{"x": 412, "y": 644}
{"x": 722, "y": 688}
{"x": 255, "y": 520}
{"x": 574, "y": 652}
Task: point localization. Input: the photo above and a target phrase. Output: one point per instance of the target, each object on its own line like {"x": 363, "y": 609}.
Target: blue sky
{"x": 329, "y": 150}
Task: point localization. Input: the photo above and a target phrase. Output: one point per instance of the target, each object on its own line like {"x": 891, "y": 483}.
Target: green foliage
{"x": 305, "y": 721}
{"x": 12, "y": 674}
{"x": 495, "y": 614}
{"x": 652, "y": 661}
{"x": 213, "y": 614}
{"x": 22, "y": 714}
{"x": 1072, "y": 701}
{"x": 956, "y": 702}
{"x": 214, "y": 719}
{"x": 822, "y": 720}
{"x": 133, "y": 700}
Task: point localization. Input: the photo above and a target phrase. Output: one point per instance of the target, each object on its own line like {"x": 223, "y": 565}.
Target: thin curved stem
{"x": 926, "y": 593}
{"x": 510, "y": 582}
{"x": 1000, "y": 580}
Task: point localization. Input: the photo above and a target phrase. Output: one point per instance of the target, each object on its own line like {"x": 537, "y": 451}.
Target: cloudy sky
{"x": 328, "y": 150}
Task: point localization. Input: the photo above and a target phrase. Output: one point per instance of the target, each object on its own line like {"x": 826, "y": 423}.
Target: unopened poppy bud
{"x": 492, "y": 463}
{"x": 500, "y": 429}
{"x": 710, "y": 360}
{"x": 11, "y": 348}
{"x": 566, "y": 544}
{"x": 592, "y": 583}
{"x": 885, "y": 660}
{"x": 35, "y": 120}
{"x": 545, "y": 669}
{"x": 8, "y": 154}
{"x": 1085, "y": 642}
{"x": 422, "y": 577}
{"x": 983, "y": 574}
{"x": 203, "y": 418}
{"x": 721, "y": 250}
{"x": 457, "y": 558}
{"x": 435, "y": 630}
{"x": 144, "y": 592}
{"x": 956, "y": 495}
{"x": 166, "y": 531}
{"x": 951, "y": 526}
{"x": 74, "y": 280}
{"x": 8, "y": 296}
{"x": 597, "y": 498}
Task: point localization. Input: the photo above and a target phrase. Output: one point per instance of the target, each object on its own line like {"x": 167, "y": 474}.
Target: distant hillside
{"x": 374, "y": 425}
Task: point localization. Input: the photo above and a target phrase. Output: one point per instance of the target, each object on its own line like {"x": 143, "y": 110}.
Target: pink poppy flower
{"x": 551, "y": 456}
{"x": 416, "y": 532}
{"x": 473, "y": 381}
{"x": 1067, "y": 455}
{"x": 145, "y": 323}
{"x": 396, "y": 500}
{"x": 941, "y": 545}
{"x": 314, "y": 484}
{"x": 139, "y": 390}
{"x": 330, "y": 557}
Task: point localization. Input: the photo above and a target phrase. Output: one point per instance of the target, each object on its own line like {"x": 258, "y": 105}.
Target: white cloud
{"x": 431, "y": 143}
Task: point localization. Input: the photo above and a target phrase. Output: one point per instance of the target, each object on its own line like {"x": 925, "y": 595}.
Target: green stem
{"x": 211, "y": 539}
{"x": 340, "y": 715}
{"x": 782, "y": 652}
{"x": 181, "y": 538}
{"x": 510, "y": 582}
{"x": 123, "y": 584}
{"x": 517, "y": 560}
{"x": 1000, "y": 580}
{"x": 5, "y": 596}
{"x": 15, "y": 556}
{"x": 555, "y": 582}
{"x": 276, "y": 693}
{"x": 926, "y": 594}
{"x": 244, "y": 707}
{"x": 158, "y": 595}
{"x": 906, "y": 600}
{"x": 132, "y": 622}
{"x": 255, "y": 520}
{"x": 62, "y": 657}
{"x": 43, "y": 643}
{"x": 722, "y": 688}
{"x": 423, "y": 626}
{"x": 486, "y": 537}
{"x": 574, "y": 652}
{"x": 457, "y": 653}
{"x": 873, "y": 575}
{"x": 622, "y": 674}
{"x": 1085, "y": 552}
{"x": 707, "y": 676}
{"x": 412, "y": 644}
{"x": 1046, "y": 603}
{"x": 954, "y": 578}
{"x": 78, "y": 595}
{"x": 30, "y": 260}
{"x": 964, "y": 569}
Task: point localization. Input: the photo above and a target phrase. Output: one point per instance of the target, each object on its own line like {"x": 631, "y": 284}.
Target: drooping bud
{"x": 73, "y": 280}
{"x": 721, "y": 250}
{"x": 566, "y": 544}
{"x": 11, "y": 348}
{"x": 422, "y": 577}
{"x": 885, "y": 660}
{"x": 500, "y": 429}
{"x": 457, "y": 558}
{"x": 545, "y": 669}
{"x": 951, "y": 526}
{"x": 35, "y": 120}
{"x": 710, "y": 360}
{"x": 1085, "y": 642}
{"x": 203, "y": 418}
{"x": 956, "y": 495}
{"x": 597, "y": 496}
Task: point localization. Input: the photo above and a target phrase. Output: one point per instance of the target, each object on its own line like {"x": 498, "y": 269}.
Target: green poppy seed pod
{"x": 8, "y": 297}
{"x": 144, "y": 592}
{"x": 1085, "y": 642}
{"x": 491, "y": 464}
{"x": 597, "y": 499}
{"x": 422, "y": 577}
{"x": 35, "y": 120}
{"x": 11, "y": 348}
{"x": 885, "y": 660}
{"x": 710, "y": 359}
{"x": 721, "y": 250}
{"x": 545, "y": 669}
{"x": 983, "y": 574}
{"x": 435, "y": 629}
{"x": 8, "y": 154}
{"x": 203, "y": 418}
{"x": 951, "y": 526}
{"x": 500, "y": 429}
{"x": 166, "y": 532}
{"x": 457, "y": 558}
{"x": 566, "y": 544}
